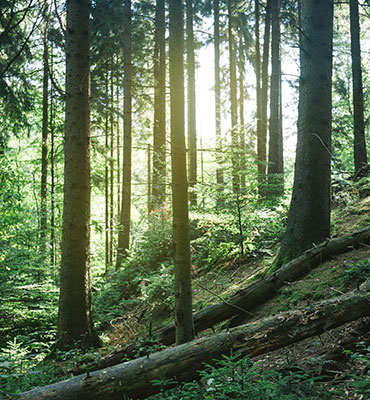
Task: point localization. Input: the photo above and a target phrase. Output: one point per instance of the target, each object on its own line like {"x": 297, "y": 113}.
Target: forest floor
{"x": 334, "y": 277}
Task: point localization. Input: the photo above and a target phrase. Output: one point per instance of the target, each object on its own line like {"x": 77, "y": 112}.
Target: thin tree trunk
{"x": 44, "y": 153}
{"x": 219, "y": 171}
{"x": 159, "y": 130}
{"x": 111, "y": 167}
{"x": 52, "y": 181}
{"x": 233, "y": 99}
{"x": 192, "y": 129}
{"x": 261, "y": 147}
{"x": 241, "y": 111}
{"x": 125, "y": 218}
{"x": 118, "y": 148}
{"x": 360, "y": 157}
{"x": 106, "y": 177}
{"x": 149, "y": 177}
{"x": 181, "y": 237}
{"x": 183, "y": 363}
{"x": 75, "y": 317}
{"x": 274, "y": 161}
{"x": 262, "y": 153}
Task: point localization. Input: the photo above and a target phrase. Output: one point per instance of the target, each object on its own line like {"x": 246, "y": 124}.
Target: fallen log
{"x": 133, "y": 378}
{"x": 248, "y": 298}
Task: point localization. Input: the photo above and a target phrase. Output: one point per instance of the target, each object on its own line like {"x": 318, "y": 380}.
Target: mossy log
{"x": 248, "y": 298}
{"x": 133, "y": 378}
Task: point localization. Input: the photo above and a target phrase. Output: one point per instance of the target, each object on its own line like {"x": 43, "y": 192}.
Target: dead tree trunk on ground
{"x": 133, "y": 378}
{"x": 251, "y": 296}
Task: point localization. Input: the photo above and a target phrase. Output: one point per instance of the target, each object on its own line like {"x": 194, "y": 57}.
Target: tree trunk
{"x": 106, "y": 177}
{"x": 181, "y": 237}
{"x": 265, "y": 84}
{"x": 111, "y": 166}
{"x": 275, "y": 140}
{"x": 219, "y": 171}
{"x": 233, "y": 99}
{"x": 192, "y": 128}
{"x": 44, "y": 153}
{"x": 241, "y": 111}
{"x": 159, "y": 129}
{"x": 133, "y": 378}
{"x": 52, "y": 182}
{"x": 75, "y": 318}
{"x": 360, "y": 157}
{"x": 125, "y": 218}
{"x": 253, "y": 295}
{"x": 309, "y": 214}
{"x": 261, "y": 153}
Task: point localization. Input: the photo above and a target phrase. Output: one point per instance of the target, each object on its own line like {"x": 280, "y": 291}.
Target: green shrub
{"x": 234, "y": 378}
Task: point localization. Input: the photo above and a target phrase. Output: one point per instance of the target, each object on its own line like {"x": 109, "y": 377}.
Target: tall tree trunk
{"x": 241, "y": 110}
{"x": 181, "y": 237}
{"x": 111, "y": 166}
{"x": 262, "y": 154}
{"x": 233, "y": 99}
{"x": 75, "y": 317}
{"x": 309, "y": 214}
{"x": 192, "y": 128}
{"x": 44, "y": 153}
{"x": 124, "y": 228}
{"x": 261, "y": 146}
{"x": 275, "y": 141}
{"x": 118, "y": 147}
{"x": 360, "y": 157}
{"x": 106, "y": 176}
{"x": 219, "y": 171}
{"x": 159, "y": 130}
{"x": 52, "y": 181}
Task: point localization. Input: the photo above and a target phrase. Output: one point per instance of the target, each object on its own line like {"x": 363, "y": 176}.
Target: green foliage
{"x": 21, "y": 367}
{"x": 357, "y": 273}
{"x": 361, "y": 382}
{"x": 146, "y": 276}
{"x": 235, "y": 378}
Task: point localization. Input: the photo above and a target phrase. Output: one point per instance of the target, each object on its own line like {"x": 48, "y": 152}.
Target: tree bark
{"x": 133, "y": 378}
{"x": 233, "y": 99}
{"x": 219, "y": 171}
{"x": 181, "y": 236}
{"x": 275, "y": 140}
{"x": 159, "y": 129}
{"x": 125, "y": 218}
{"x": 192, "y": 128}
{"x": 44, "y": 152}
{"x": 309, "y": 213}
{"x": 241, "y": 69}
{"x": 74, "y": 317}
{"x": 360, "y": 156}
{"x": 265, "y": 84}
{"x": 253, "y": 295}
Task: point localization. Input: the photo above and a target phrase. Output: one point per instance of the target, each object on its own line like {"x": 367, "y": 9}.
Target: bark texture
{"x": 219, "y": 171}
{"x": 192, "y": 128}
{"x": 125, "y": 219}
{"x": 74, "y": 318}
{"x": 275, "y": 134}
{"x": 133, "y": 378}
{"x": 360, "y": 156}
{"x": 159, "y": 129}
{"x": 233, "y": 99}
{"x": 309, "y": 214}
{"x": 181, "y": 237}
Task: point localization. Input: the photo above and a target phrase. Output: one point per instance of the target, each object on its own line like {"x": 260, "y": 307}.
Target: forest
{"x": 185, "y": 199}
